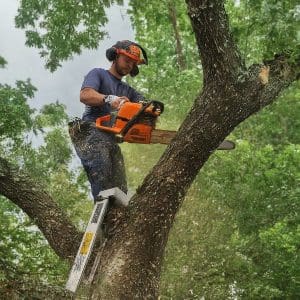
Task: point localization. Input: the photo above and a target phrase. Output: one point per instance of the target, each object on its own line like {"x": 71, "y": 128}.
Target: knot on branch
{"x": 284, "y": 66}
{"x": 264, "y": 75}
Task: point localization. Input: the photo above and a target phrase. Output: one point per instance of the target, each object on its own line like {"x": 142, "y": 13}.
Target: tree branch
{"x": 266, "y": 81}
{"x": 219, "y": 54}
{"x": 282, "y": 72}
{"x": 61, "y": 234}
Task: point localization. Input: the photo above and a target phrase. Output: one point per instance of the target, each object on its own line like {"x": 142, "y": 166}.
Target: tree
{"x": 208, "y": 253}
{"x": 60, "y": 29}
{"x": 131, "y": 260}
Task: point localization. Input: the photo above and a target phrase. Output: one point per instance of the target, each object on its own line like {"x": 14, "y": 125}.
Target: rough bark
{"x": 62, "y": 236}
{"x": 219, "y": 55}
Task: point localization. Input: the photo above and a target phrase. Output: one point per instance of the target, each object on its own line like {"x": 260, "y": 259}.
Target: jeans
{"x": 100, "y": 156}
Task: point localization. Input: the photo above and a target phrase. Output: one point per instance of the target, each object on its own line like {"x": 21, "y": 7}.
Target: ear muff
{"x": 111, "y": 53}
{"x": 135, "y": 71}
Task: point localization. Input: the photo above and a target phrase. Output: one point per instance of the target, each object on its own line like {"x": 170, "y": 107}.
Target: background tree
{"x": 62, "y": 28}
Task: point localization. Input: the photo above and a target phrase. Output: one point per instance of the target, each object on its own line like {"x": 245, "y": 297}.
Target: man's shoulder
{"x": 98, "y": 71}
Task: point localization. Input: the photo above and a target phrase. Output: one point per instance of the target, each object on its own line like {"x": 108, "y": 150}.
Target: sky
{"x": 64, "y": 84}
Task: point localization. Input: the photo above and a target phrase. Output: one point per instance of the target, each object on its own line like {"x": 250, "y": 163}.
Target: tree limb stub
{"x": 265, "y": 82}
{"x": 264, "y": 75}
{"x": 280, "y": 77}
{"x": 61, "y": 234}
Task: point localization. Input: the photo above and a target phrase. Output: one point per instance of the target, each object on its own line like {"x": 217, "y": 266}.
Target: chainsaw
{"x": 135, "y": 123}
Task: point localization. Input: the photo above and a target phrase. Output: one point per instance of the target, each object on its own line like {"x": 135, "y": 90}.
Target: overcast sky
{"x": 64, "y": 84}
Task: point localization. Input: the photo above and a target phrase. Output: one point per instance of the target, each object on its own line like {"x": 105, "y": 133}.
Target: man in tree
{"x": 102, "y": 92}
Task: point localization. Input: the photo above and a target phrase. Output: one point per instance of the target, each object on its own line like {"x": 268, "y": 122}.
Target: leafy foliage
{"x": 36, "y": 142}
{"x": 15, "y": 112}
{"x": 62, "y": 28}
{"x": 263, "y": 32}
{"x": 3, "y": 62}
{"x": 237, "y": 233}
{"x": 27, "y": 263}
{"x": 151, "y": 19}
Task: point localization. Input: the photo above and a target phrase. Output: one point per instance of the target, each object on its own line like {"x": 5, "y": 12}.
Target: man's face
{"x": 124, "y": 64}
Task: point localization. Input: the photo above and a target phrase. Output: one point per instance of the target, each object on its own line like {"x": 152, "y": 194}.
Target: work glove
{"x": 114, "y": 101}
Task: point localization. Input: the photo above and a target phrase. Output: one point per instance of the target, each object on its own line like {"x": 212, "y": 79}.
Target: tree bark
{"x": 62, "y": 236}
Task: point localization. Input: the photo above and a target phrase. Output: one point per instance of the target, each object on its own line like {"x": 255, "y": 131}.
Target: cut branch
{"x": 282, "y": 72}
{"x": 61, "y": 234}
{"x": 266, "y": 81}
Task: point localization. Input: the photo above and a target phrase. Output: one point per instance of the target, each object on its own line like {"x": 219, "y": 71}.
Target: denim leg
{"x": 98, "y": 167}
{"x": 102, "y": 160}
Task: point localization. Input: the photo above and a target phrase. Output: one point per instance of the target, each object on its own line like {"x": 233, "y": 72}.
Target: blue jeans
{"x": 101, "y": 158}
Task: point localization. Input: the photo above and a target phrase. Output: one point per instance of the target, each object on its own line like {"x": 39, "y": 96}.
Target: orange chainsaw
{"x": 135, "y": 123}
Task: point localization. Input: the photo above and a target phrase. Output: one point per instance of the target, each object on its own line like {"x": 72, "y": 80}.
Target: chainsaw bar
{"x": 159, "y": 136}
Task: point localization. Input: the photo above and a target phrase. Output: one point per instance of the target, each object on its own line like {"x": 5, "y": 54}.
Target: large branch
{"x": 61, "y": 234}
{"x": 219, "y": 55}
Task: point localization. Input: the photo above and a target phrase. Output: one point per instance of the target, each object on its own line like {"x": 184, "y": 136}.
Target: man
{"x": 102, "y": 92}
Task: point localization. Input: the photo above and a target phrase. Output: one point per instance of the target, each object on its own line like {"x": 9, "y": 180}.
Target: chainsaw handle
{"x": 106, "y": 118}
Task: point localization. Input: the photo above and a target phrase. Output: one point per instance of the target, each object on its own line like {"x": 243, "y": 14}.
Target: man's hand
{"x": 115, "y": 101}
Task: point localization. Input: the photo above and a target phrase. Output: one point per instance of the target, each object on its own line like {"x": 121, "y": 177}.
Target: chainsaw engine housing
{"x": 134, "y": 121}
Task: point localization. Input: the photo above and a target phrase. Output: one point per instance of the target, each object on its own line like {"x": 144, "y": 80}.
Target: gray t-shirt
{"x": 105, "y": 83}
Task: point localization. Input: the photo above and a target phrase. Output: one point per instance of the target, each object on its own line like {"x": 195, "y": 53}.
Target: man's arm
{"x": 91, "y": 97}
